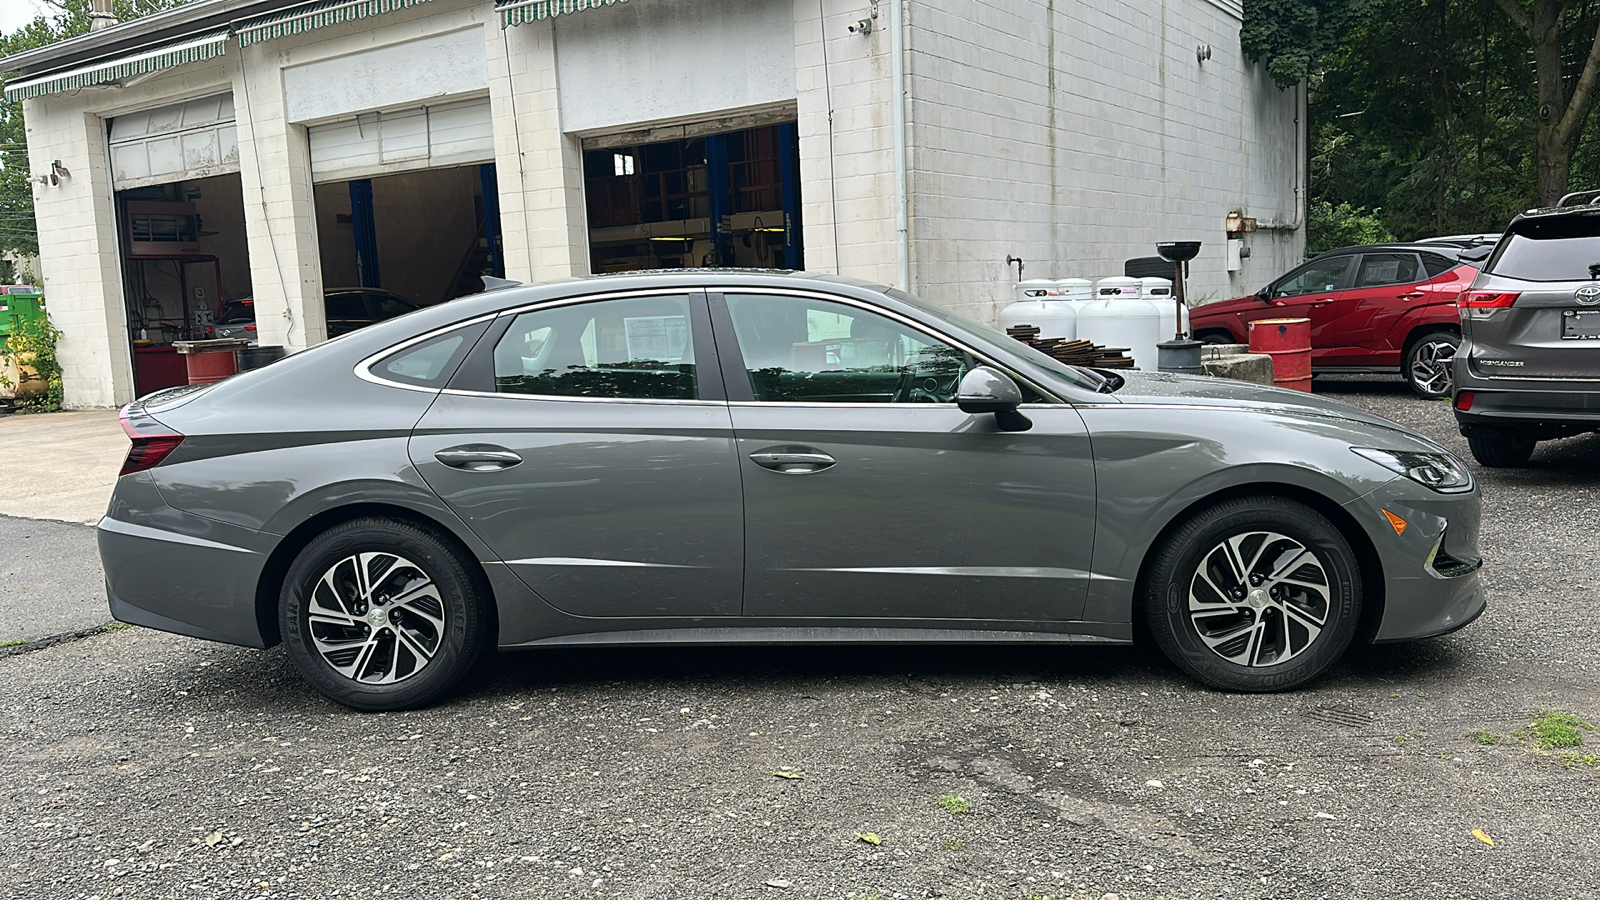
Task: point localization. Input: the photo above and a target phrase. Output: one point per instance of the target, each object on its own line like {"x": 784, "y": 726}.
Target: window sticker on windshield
{"x": 661, "y": 338}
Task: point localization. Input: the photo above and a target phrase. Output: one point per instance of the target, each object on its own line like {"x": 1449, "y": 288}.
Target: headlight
{"x": 1440, "y": 471}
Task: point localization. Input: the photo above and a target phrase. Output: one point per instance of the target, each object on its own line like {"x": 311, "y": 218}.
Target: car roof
{"x": 1450, "y": 250}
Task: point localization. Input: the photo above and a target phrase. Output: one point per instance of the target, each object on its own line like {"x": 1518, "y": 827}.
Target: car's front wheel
{"x": 1428, "y": 364}
{"x": 380, "y": 614}
{"x": 1499, "y": 448}
{"x": 1253, "y": 594}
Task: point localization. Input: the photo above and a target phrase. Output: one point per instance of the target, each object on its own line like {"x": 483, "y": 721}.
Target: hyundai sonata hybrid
{"x": 772, "y": 458}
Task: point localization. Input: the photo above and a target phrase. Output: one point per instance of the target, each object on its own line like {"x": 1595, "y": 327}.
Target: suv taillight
{"x": 149, "y": 448}
{"x": 1487, "y": 300}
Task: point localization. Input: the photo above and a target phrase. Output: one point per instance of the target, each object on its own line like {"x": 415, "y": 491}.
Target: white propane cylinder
{"x": 1159, "y": 291}
{"x": 1039, "y": 304}
{"x": 1075, "y": 289}
{"x": 1116, "y": 322}
{"x": 1117, "y": 287}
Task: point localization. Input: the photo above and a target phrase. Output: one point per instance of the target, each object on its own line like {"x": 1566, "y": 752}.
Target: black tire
{"x": 421, "y": 597}
{"x": 1215, "y": 337}
{"x": 1500, "y": 449}
{"x": 1178, "y": 603}
{"x": 1427, "y": 364}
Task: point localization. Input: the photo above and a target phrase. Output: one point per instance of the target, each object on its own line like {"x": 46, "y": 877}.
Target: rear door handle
{"x": 1411, "y": 295}
{"x": 478, "y": 458}
{"x": 792, "y": 460}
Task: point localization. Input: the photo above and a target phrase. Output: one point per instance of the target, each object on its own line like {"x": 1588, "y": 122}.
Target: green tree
{"x": 1291, "y": 37}
{"x": 1565, "y": 38}
{"x": 68, "y": 18}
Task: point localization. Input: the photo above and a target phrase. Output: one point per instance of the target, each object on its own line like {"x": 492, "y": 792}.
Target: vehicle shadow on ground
{"x": 1361, "y": 384}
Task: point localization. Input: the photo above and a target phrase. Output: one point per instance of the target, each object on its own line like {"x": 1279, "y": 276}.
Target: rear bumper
{"x": 1553, "y": 407}
{"x": 175, "y": 571}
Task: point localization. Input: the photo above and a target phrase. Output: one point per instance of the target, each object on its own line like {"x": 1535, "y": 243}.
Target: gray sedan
{"x": 706, "y": 457}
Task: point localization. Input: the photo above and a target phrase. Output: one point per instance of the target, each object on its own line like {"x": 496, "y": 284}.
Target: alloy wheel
{"x": 1259, "y": 598}
{"x": 1430, "y": 366}
{"x": 376, "y": 618}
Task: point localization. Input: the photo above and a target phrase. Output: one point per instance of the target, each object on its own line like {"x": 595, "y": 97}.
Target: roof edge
{"x": 167, "y": 25}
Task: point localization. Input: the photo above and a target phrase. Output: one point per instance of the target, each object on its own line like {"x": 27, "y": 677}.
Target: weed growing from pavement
{"x": 1578, "y": 760}
{"x": 1401, "y": 739}
{"x": 1484, "y": 737}
{"x": 869, "y": 895}
{"x": 955, "y": 804}
{"x": 18, "y": 642}
{"x": 117, "y": 626}
{"x": 1555, "y": 730}
{"x": 956, "y": 844}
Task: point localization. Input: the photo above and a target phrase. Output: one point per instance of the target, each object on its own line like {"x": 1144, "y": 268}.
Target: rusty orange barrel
{"x": 1288, "y": 342}
{"x": 208, "y": 362}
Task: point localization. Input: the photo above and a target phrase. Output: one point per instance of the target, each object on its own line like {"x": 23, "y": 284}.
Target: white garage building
{"x": 272, "y": 150}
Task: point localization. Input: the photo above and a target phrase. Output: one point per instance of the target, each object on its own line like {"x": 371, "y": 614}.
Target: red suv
{"x": 1378, "y": 308}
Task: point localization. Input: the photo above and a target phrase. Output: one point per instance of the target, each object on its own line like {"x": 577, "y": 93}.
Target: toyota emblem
{"x": 1589, "y": 294}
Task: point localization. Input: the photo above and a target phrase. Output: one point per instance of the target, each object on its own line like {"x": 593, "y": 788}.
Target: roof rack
{"x": 1570, "y": 199}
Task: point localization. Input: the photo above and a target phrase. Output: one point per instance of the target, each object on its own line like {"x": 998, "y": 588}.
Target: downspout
{"x": 897, "y": 50}
{"x": 1301, "y": 126}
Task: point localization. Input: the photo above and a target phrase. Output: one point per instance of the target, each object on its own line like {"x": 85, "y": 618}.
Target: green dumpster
{"x": 20, "y": 309}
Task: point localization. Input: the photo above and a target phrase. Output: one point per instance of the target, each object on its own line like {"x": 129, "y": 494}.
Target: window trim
{"x": 707, "y": 385}
{"x": 736, "y": 378}
{"x": 363, "y": 369}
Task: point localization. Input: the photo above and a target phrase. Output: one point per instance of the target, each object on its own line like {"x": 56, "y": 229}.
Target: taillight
{"x": 149, "y": 448}
{"x": 1464, "y": 401}
{"x": 1487, "y": 300}
{"x": 249, "y": 328}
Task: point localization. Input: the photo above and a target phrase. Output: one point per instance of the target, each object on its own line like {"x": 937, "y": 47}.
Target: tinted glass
{"x": 800, "y": 349}
{"x": 388, "y": 307}
{"x": 1436, "y": 265}
{"x": 237, "y": 313}
{"x": 1561, "y": 249}
{"x": 1379, "y": 269}
{"x": 636, "y": 348}
{"x": 1316, "y": 276}
{"x": 346, "y": 306}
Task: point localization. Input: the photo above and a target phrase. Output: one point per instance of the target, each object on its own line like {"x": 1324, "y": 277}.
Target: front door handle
{"x": 1323, "y": 302}
{"x": 478, "y": 458}
{"x": 792, "y": 460}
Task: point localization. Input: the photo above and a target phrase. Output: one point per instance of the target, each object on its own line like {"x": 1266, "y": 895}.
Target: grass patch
{"x": 1555, "y": 730}
{"x": 1483, "y": 737}
{"x": 955, "y": 804}
{"x": 117, "y": 626}
{"x": 15, "y": 642}
{"x": 1580, "y": 760}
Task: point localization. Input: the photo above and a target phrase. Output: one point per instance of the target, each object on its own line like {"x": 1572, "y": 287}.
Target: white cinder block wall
{"x": 1076, "y": 134}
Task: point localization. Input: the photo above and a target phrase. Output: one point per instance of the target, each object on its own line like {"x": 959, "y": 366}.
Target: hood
{"x": 1162, "y": 388}
{"x": 1218, "y": 308}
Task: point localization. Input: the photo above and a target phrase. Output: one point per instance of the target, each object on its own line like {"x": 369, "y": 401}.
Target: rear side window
{"x": 432, "y": 362}
{"x": 635, "y": 348}
{"x": 1558, "y": 249}
{"x": 1436, "y": 265}
{"x": 1379, "y": 269}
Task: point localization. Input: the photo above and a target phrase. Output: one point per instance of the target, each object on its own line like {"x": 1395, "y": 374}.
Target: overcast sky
{"x": 15, "y": 13}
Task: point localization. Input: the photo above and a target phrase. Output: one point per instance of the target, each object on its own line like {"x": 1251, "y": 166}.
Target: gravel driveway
{"x": 141, "y": 765}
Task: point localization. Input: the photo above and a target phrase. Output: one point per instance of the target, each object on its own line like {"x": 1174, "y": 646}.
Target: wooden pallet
{"x": 1074, "y": 353}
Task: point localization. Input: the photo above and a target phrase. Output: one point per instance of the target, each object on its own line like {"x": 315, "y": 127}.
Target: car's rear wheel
{"x": 1428, "y": 364}
{"x": 1500, "y": 448}
{"x": 380, "y": 614}
{"x": 1213, "y": 337}
{"x": 1253, "y": 594}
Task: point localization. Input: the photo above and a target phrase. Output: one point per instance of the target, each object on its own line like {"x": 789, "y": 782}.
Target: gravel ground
{"x": 142, "y": 765}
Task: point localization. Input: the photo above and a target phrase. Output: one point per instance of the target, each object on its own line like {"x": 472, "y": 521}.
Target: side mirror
{"x": 987, "y": 390}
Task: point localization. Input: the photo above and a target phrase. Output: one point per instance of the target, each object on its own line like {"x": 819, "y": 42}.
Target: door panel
{"x": 604, "y": 502}
{"x": 1387, "y": 286}
{"x": 1314, "y": 291}
{"x": 925, "y": 512}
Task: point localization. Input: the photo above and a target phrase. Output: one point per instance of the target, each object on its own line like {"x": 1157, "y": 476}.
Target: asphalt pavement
{"x": 145, "y": 765}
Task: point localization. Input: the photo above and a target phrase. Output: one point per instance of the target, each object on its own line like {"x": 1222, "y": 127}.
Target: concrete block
{"x": 1253, "y": 367}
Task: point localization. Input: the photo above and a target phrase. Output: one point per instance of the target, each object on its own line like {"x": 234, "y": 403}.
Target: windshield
{"x": 1564, "y": 248}
{"x": 1086, "y": 379}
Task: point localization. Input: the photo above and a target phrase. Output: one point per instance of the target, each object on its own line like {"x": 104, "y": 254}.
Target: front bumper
{"x": 174, "y": 571}
{"x": 1431, "y": 584}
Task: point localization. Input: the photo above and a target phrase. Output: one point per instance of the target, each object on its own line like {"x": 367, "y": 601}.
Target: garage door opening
{"x": 426, "y": 236}
{"x": 719, "y": 200}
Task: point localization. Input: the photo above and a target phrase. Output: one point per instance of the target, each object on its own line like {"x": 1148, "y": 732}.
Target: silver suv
{"x": 1528, "y": 368}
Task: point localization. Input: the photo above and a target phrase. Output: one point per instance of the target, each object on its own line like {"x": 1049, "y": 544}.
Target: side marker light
{"x": 1395, "y": 522}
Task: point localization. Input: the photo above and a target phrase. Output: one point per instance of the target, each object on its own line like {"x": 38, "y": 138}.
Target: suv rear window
{"x": 1564, "y": 248}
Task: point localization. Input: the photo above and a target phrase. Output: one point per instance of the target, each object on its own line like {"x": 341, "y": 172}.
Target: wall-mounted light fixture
{"x": 1202, "y": 53}
{"x": 56, "y": 173}
{"x": 863, "y": 27}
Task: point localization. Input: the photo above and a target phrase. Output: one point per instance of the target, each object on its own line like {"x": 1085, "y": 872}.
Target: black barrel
{"x": 256, "y": 357}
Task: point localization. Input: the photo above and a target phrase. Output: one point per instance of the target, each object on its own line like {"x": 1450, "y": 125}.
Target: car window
{"x": 636, "y": 348}
{"x": 1436, "y": 265}
{"x": 346, "y": 306}
{"x": 1564, "y": 248}
{"x": 1379, "y": 269}
{"x": 388, "y": 307}
{"x": 817, "y": 351}
{"x": 431, "y": 362}
{"x": 236, "y": 313}
{"x": 1315, "y": 276}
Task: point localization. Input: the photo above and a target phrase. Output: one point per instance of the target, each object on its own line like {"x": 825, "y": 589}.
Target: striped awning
{"x": 521, "y": 12}
{"x": 310, "y": 16}
{"x": 154, "y": 59}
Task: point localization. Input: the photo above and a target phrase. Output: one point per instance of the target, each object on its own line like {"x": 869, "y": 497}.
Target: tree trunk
{"x": 1554, "y": 158}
